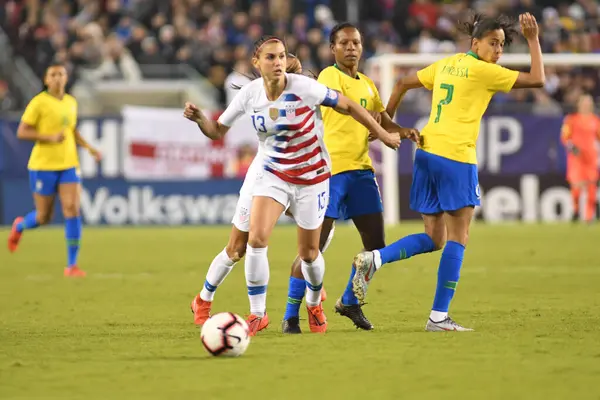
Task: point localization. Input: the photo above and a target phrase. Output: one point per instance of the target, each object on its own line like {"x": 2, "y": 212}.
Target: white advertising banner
{"x": 160, "y": 144}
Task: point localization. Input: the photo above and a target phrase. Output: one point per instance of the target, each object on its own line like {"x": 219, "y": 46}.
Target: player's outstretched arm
{"x": 405, "y": 133}
{"x": 345, "y": 105}
{"x": 81, "y": 142}
{"x": 535, "y": 78}
{"x": 28, "y": 132}
{"x": 211, "y": 129}
{"x": 403, "y": 85}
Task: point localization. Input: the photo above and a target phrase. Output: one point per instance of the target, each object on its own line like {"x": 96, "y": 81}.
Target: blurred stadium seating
{"x": 120, "y": 39}
{"x": 160, "y": 53}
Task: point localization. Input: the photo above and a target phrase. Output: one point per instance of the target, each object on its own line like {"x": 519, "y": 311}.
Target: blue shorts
{"x": 353, "y": 193}
{"x": 46, "y": 182}
{"x": 440, "y": 184}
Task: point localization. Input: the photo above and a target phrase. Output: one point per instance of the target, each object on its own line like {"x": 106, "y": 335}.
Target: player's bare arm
{"x": 211, "y": 129}
{"x": 357, "y": 112}
{"x": 535, "y": 78}
{"x": 81, "y": 142}
{"x": 28, "y": 132}
{"x": 402, "y": 86}
{"x": 376, "y": 115}
{"x": 405, "y": 133}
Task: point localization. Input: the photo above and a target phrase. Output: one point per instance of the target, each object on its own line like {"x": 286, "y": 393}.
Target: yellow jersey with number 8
{"x": 50, "y": 116}
{"x": 347, "y": 139}
{"x": 462, "y": 88}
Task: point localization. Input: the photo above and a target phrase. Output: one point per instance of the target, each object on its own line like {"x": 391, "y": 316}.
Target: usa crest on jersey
{"x": 290, "y": 111}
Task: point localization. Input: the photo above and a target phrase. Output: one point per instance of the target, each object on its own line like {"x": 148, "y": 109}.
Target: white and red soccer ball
{"x": 225, "y": 334}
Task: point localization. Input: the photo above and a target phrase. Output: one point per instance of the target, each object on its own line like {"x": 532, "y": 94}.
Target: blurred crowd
{"x": 119, "y": 39}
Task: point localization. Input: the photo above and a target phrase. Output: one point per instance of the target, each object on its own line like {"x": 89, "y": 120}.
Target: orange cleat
{"x": 256, "y": 323}
{"x": 14, "y": 237}
{"x": 74, "y": 271}
{"x": 201, "y": 310}
{"x": 317, "y": 321}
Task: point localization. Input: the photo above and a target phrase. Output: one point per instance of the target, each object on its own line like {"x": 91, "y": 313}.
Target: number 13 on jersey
{"x": 259, "y": 123}
{"x": 445, "y": 101}
{"x": 323, "y": 200}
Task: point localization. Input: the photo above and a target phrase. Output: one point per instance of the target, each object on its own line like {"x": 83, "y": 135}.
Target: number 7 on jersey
{"x": 445, "y": 101}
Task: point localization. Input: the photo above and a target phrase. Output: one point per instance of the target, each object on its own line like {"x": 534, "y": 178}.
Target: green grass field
{"x": 126, "y": 331}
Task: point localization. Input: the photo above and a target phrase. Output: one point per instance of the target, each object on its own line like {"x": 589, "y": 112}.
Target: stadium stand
{"x": 120, "y": 39}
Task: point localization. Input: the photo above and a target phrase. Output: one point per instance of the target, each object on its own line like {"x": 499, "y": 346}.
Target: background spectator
{"x": 115, "y": 39}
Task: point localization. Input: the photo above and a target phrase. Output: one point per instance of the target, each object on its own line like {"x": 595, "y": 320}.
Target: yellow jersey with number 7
{"x": 462, "y": 88}
{"x": 50, "y": 116}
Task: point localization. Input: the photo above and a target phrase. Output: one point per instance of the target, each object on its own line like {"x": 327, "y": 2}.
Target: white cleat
{"x": 365, "y": 268}
{"x": 445, "y": 325}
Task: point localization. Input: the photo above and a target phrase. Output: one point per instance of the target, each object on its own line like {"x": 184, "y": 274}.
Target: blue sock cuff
{"x": 209, "y": 287}
{"x": 255, "y": 290}
{"x": 454, "y": 250}
{"x": 73, "y": 220}
{"x": 314, "y": 288}
{"x": 297, "y": 287}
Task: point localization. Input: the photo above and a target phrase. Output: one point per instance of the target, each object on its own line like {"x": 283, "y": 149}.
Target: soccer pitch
{"x": 126, "y": 331}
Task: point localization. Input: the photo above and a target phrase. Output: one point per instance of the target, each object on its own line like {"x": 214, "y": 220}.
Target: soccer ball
{"x": 225, "y": 334}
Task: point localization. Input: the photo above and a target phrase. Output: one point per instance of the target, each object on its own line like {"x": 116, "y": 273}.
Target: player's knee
{"x": 438, "y": 235}
{"x": 258, "y": 239}
{"x": 308, "y": 253}
{"x": 70, "y": 209}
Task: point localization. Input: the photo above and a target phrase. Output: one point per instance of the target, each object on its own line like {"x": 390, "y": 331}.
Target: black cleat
{"x": 355, "y": 314}
{"x": 291, "y": 326}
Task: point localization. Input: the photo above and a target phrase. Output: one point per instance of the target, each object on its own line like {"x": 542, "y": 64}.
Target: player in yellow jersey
{"x": 353, "y": 190}
{"x": 445, "y": 186}
{"x": 50, "y": 120}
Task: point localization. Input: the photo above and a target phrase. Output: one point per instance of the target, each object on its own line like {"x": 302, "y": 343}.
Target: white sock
{"x": 329, "y": 239}
{"x": 220, "y": 267}
{"x": 438, "y": 316}
{"x": 256, "y": 268}
{"x": 377, "y": 259}
{"x": 313, "y": 274}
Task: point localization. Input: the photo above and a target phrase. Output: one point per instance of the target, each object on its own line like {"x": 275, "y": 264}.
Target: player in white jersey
{"x": 223, "y": 263}
{"x": 285, "y": 113}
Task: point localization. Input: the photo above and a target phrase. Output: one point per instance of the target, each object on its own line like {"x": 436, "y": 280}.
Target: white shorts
{"x": 307, "y": 203}
{"x": 241, "y": 218}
